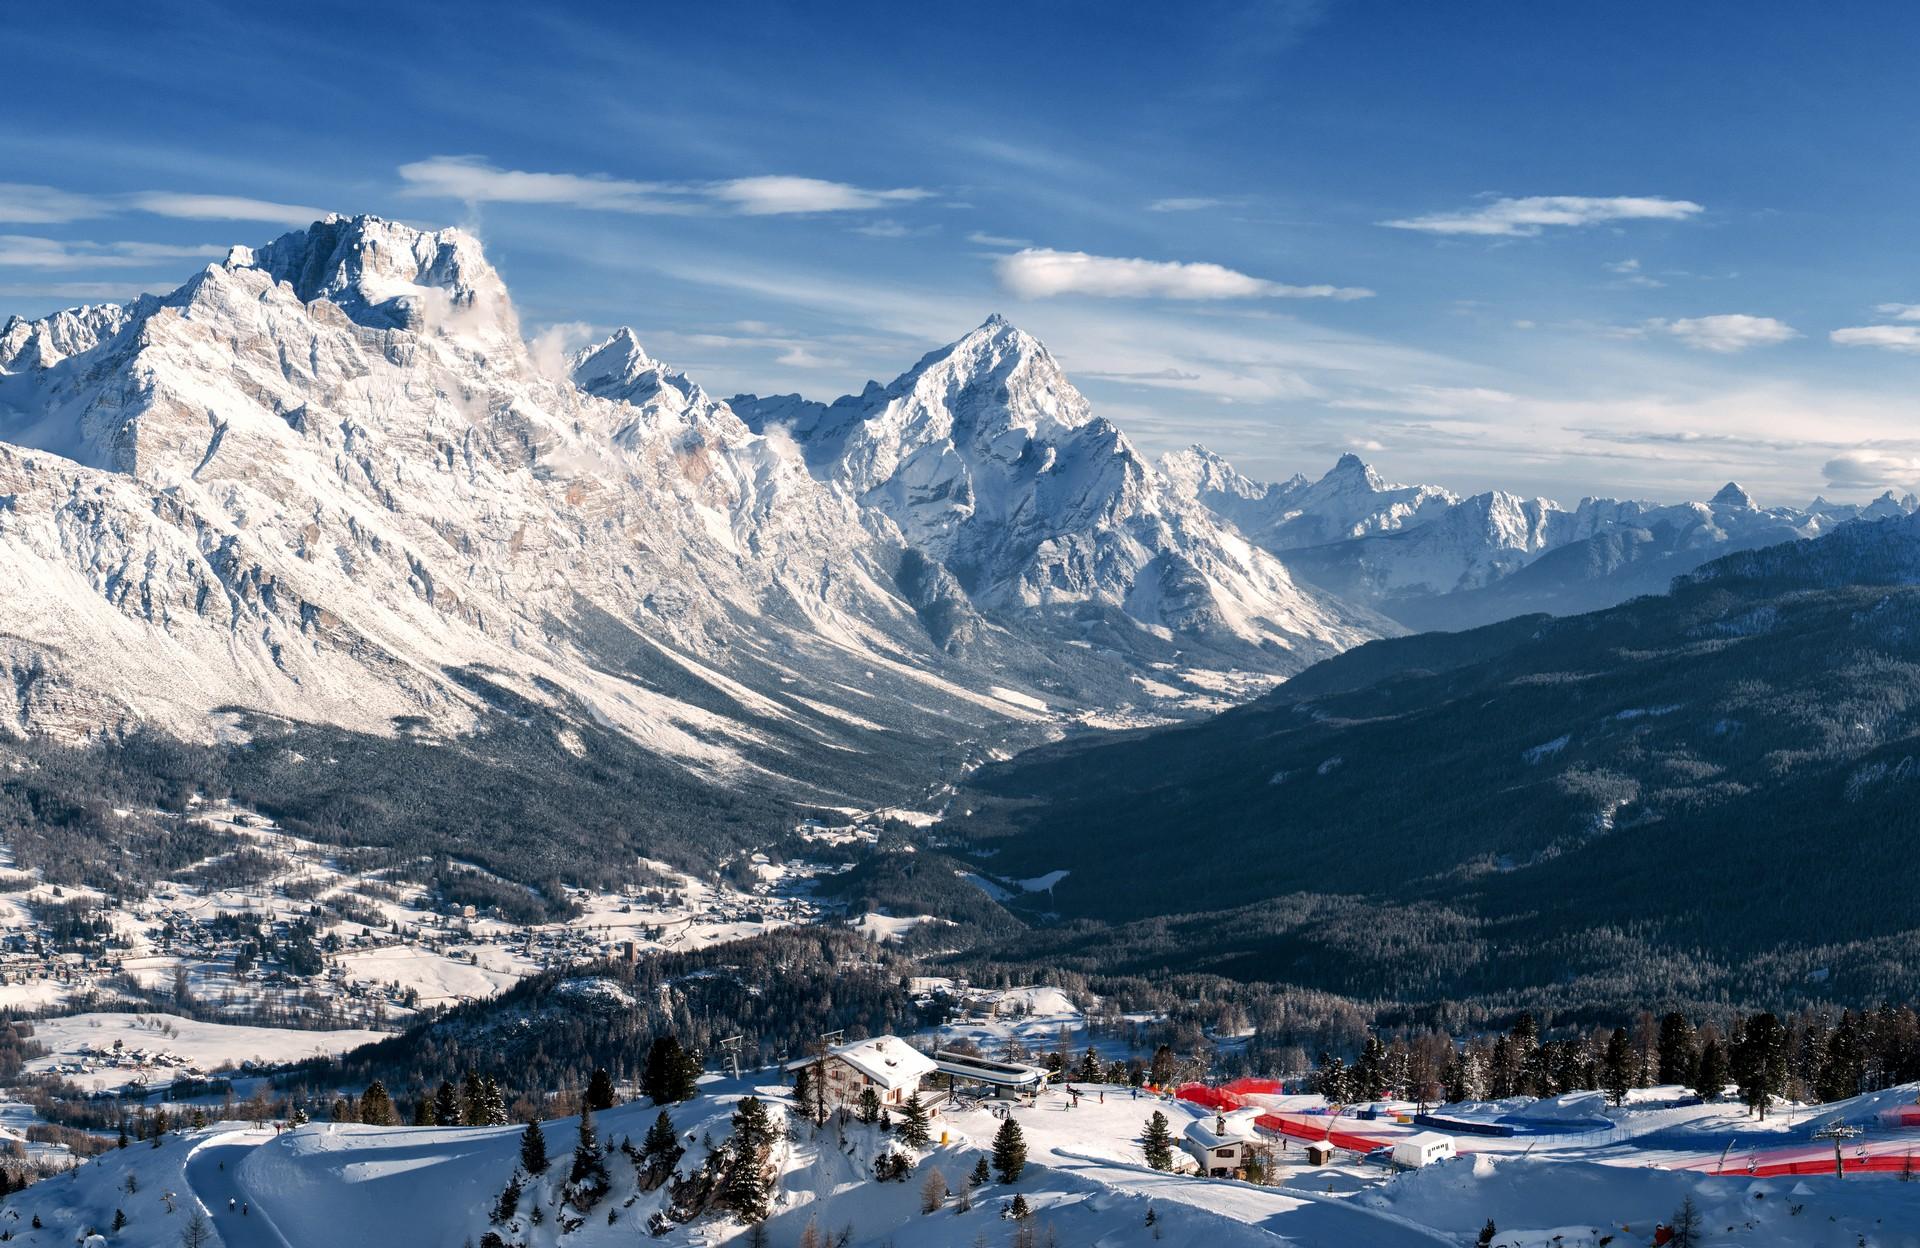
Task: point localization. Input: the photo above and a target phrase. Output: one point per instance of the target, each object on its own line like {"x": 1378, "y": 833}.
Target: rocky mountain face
{"x": 325, "y": 480}
{"x": 1038, "y": 514}
{"x": 1431, "y": 559}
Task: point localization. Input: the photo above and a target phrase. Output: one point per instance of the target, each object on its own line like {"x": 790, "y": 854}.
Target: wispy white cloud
{"x": 474, "y": 180}
{"x": 1726, "y": 333}
{"x": 995, "y": 240}
{"x": 25, "y": 204}
{"x": 193, "y": 207}
{"x": 1184, "y": 203}
{"x": 1630, "y": 274}
{"x": 1041, "y": 273}
{"x": 1899, "y": 311}
{"x": 774, "y": 195}
{"x": 1528, "y": 216}
{"x": 1425, "y": 400}
{"x": 30, "y": 252}
{"x": 113, "y": 291}
{"x": 1904, "y": 338}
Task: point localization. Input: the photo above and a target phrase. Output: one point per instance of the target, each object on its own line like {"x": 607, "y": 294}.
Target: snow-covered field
{"x": 1086, "y": 1183}
{"x": 104, "y": 1050}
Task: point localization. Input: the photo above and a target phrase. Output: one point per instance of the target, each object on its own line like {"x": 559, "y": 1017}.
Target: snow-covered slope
{"x": 326, "y": 479}
{"x": 1431, "y": 559}
{"x": 995, "y": 469}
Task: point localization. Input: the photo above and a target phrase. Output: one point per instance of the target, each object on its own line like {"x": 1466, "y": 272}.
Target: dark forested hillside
{"x": 1680, "y": 794}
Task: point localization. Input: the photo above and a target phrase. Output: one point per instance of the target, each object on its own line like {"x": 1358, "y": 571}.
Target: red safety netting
{"x": 1306, "y": 1128}
{"x": 1205, "y": 1097}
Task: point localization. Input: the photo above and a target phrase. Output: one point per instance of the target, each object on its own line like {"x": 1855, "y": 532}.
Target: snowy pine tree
{"x": 600, "y": 1093}
{"x": 587, "y": 1181}
{"x": 1158, "y": 1142}
{"x": 533, "y": 1149}
{"x": 913, "y": 1123}
{"x": 1009, "y": 1151}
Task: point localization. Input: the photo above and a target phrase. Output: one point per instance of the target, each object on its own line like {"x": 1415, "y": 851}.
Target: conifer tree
{"x": 745, "y": 1191}
{"x": 1369, "y": 1076}
{"x": 446, "y": 1106}
{"x": 600, "y": 1093}
{"x": 671, "y": 1073}
{"x": 1759, "y": 1062}
{"x": 119, "y": 1220}
{"x": 1158, "y": 1141}
{"x": 1009, "y": 1151}
{"x": 660, "y": 1151}
{"x": 1679, "y": 1059}
{"x": 509, "y": 1202}
{"x": 376, "y": 1106}
{"x": 1617, "y": 1077}
{"x": 869, "y": 1106}
{"x": 533, "y": 1149}
{"x": 472, "y": 1106}
{"x": 1018, "y": 1210}
{"x": 297, "y": 1116}
{"x": 1089, "y": 1071}
{"x": 493, "y": 1104}
{"x": 913, "y": 1123}
{"x": 1710, "y": 1082}
{"x": 980, "y": 1174}
{"x": 587, "y": 1181}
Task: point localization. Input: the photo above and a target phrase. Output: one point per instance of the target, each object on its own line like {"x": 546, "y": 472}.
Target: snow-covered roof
{"x": 887, "y": 1060}
{"x": 1221, "y": 1131}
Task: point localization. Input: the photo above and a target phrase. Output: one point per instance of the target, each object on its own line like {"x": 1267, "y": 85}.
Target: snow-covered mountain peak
{"x": 386, "y": 275}
{"x": 1731, "y": 495}
{"x": 27, "y": 345}
{"x": 994, "y": 466}
{"x": 1352, "y": 472}
{"x": 1197, "y": 472}
{"x": 614, "y": 363}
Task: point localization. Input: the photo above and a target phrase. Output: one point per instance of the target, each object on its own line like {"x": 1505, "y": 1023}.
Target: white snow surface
{"x": 326, "y": 474}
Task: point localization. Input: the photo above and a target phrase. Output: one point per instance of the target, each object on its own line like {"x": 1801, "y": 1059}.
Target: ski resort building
{"x": 1221, "y": 1144}
{"x": 887, "y": 1064}
{"x": 1007, "y": 1079}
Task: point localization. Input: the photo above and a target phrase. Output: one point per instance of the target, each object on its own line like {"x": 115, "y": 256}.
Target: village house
{"x": 887, "y": 1064}
{"x": 1222, "y": 1144}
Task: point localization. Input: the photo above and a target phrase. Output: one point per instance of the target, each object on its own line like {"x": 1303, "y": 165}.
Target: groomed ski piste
{"x": 1086, "y": 1182}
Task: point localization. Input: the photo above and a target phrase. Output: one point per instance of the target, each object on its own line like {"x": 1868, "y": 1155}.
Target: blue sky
{"x": 1621, "y": 249}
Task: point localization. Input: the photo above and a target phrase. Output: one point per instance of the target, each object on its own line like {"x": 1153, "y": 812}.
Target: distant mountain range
{"x": 1671, "y": 799}
{"x": 1429, "y": 558}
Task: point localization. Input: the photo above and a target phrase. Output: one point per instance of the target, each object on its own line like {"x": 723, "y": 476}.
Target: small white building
{"x": 1221, "y": 1144}
{"x": 1422, "y": 1148}
{"x": 887, "y": 1064}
